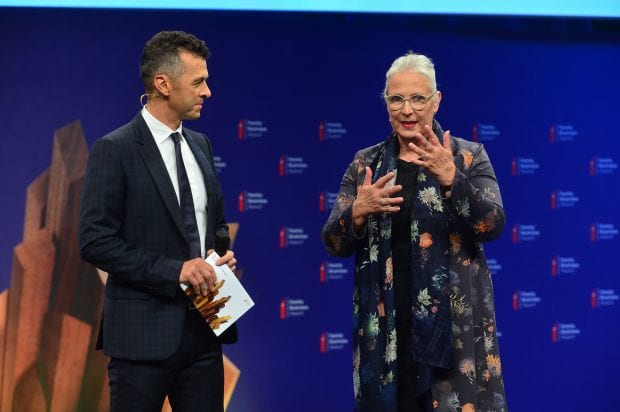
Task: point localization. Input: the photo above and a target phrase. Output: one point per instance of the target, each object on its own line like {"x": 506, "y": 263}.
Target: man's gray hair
{"x": 412, "y": 62}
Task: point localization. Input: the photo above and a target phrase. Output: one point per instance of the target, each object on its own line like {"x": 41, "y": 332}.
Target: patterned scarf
{"x": 374, "y": 299}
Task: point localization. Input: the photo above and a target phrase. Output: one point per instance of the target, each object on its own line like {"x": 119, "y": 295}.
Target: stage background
{"x": 295, "y": 95}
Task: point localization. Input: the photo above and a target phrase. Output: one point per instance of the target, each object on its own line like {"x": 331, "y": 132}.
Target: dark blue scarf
{"x": 374, "y": 300}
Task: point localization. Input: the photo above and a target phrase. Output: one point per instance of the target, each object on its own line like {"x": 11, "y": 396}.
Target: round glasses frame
{"x": 417, "y": 101}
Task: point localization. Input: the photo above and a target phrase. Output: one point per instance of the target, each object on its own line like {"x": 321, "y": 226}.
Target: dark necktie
{"x": 187, "y": 201}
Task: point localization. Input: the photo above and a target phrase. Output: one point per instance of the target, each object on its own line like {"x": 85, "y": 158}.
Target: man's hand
{"x": 199, "y": 275}
{"x": 228, "y": 258}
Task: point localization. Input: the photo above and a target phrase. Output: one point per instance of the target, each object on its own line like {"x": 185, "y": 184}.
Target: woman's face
{"x": 407, "y": 121}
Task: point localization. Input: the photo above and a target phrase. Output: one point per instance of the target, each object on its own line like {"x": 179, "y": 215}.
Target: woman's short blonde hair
{"x": 415, "y": 63}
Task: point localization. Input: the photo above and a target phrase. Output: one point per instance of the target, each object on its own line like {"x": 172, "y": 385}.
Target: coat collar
{"x": 147, "y": 148}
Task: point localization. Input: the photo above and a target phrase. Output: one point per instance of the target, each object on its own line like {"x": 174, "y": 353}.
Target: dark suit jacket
{"x": 131, "y": 226}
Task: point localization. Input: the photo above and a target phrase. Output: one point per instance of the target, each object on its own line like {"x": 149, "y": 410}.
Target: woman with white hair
{"x": 415, "y": 210}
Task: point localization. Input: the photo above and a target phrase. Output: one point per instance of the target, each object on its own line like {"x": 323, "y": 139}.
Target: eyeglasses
{"x": 417, "y": 101}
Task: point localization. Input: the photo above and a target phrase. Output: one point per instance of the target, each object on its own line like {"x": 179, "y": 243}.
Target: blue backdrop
{"x": 295, "y": 95}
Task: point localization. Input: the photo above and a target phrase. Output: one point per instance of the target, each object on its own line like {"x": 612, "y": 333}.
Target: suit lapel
{"x": 203, "y": 156}
{"x": 157, "y": 169}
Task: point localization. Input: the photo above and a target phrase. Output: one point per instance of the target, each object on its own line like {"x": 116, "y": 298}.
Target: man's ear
{"x": 162, "y": 83}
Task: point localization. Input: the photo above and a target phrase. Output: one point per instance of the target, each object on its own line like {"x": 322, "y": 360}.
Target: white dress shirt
{"x": 161, "y": 133}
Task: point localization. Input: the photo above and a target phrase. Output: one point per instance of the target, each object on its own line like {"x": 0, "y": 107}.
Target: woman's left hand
{"x": 434, "y": 156}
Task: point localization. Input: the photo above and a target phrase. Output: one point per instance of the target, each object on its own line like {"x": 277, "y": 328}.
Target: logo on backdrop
{"x": 250, "y": 129}
{"x": 332, "y": 271}
{"x": 293, "y": 308}
{"x": 564, "y": 265}
{"x": 564, "y": 331}
{"x": 481, "y": 132}
{"x": 219, "y": 164}
{"x": 563, "y": 199}
{"x": 603, "y": 297}
{"x": 562, "y": 133}
{"x": 602, "y": 166}
{"x": 524, "y": 233}
{"x": 330, "y": 341}
{"x": 327, "y": 200}
{"x": 602, "y": 231}
{"x": 524, "y": 166}
{"x": 251, "y": 201}
{"x": 291, "y": 236}
{"x": 494, "y": 266}
{"x": 291, "y": 165}
{"x": 331, "y": 130}
{"x": 525, "y": 299}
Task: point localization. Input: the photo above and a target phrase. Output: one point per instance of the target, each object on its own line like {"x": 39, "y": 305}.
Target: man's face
{"x": 188, "y": 91}
{"x": 407, "y": 121}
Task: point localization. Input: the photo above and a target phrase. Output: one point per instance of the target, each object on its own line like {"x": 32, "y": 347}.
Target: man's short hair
{"x": 161, "y": 55}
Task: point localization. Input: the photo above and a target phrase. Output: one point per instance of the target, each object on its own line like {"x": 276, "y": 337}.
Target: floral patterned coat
{"x": 471, "y": 380}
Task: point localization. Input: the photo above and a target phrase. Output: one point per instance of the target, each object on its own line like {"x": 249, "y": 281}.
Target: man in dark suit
{"x": 151, "y": 206}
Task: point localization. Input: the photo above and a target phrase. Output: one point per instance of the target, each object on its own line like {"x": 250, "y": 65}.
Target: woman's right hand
{"x": 375, "y": 198}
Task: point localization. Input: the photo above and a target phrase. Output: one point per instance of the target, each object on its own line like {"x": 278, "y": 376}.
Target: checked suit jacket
{"x": 131, "y": 226}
